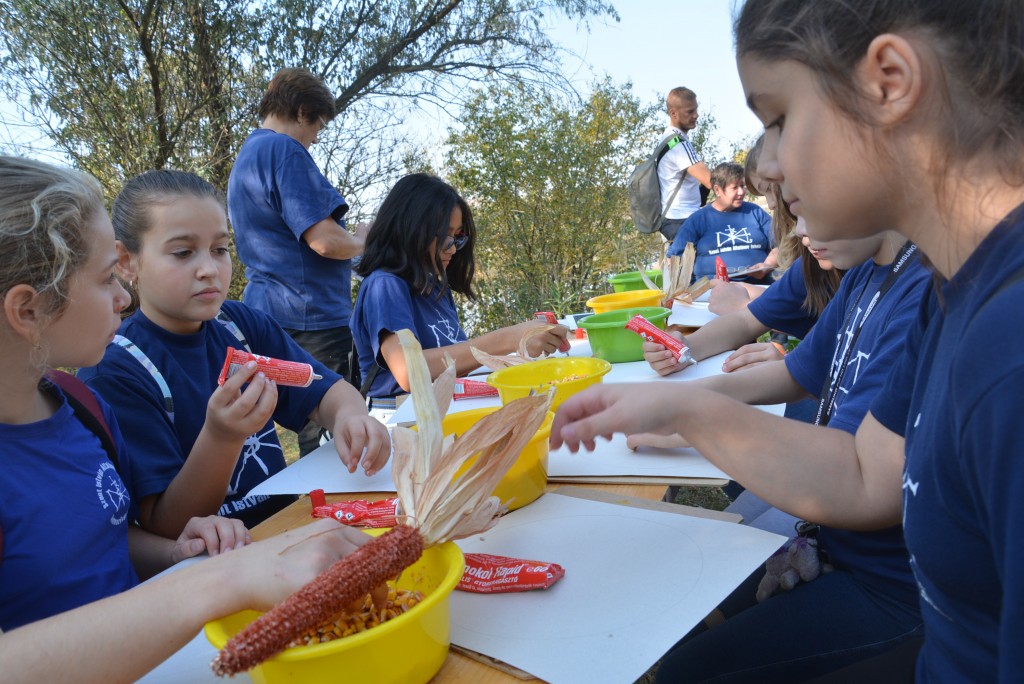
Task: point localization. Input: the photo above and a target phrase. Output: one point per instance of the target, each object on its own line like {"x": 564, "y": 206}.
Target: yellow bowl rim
{"x": 620, "y": 296}
{"x": 456, "y": 568}
{"x": 602, "y": 368}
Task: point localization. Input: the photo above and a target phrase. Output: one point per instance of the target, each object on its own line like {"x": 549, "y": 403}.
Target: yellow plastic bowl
{"x": 526, "y": 479}
{"x": 517, "y": 381}
{"x": 631, "y": 299}
{"x": 408, "y": 649}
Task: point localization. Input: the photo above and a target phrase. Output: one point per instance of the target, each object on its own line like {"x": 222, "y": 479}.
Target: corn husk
{"x": 425, "y": 462}
{"x": 676, "y": 273}
{"x": 522, "y": 354}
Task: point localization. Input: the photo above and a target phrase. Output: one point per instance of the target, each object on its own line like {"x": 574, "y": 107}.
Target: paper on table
{"x": 615, "y": 458}
{"x": 323, "y": 469}
{"x": 635, "y": 582}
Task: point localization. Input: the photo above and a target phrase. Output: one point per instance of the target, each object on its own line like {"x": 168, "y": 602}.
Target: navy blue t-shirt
{"x": 956, "y": 398}
{"x": 65, "y": 512}
{"x": 386, "y": 304}
{"x": 781, "y": 306}
{"x": 877, "y": 558}
{"x": 190, "y": 365}
{"x": 275, "y": 194}
{"x": 742, "y": 237}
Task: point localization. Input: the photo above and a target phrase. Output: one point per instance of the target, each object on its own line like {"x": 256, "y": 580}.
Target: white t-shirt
{"x": 670, "y": 168}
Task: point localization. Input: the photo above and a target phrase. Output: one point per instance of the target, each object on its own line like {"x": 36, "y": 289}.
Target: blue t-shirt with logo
{"x": 877, "y": 558}
{"x": 742, "y": 237}
{"x": 64, "y": 511}
{"x": 955, "y": 396}
{"x": 386, "y": 304}
{"x": 275, "y": 194}
{"x": 190, "y": 365}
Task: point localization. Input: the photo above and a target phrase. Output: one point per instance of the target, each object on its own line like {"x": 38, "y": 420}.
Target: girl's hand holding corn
{"x": 547, "y": 342}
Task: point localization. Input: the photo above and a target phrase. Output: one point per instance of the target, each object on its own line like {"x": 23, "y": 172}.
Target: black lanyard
{"x": 835, "y": 378}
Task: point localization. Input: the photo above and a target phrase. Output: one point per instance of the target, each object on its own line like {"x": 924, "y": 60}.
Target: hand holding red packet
{"x": 487, "y": 574}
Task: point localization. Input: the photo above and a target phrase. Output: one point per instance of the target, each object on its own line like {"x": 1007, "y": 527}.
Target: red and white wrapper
{"x": 650, "y": 332}
{"x": 721, "y": 272}
{"x": 487, "y": 574}
{"x": 358, "y": 513}
{"x": 282, "y": 372}
{"x": 471, "y": 389}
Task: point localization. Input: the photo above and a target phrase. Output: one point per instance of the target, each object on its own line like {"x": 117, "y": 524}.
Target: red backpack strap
{"x": 87, "y": 410}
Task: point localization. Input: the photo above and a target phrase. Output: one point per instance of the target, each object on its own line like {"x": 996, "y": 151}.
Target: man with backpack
{"x": 681, "y": 171}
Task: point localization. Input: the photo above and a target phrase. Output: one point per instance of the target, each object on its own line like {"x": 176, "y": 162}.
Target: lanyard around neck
{"x": 826, "y": 404}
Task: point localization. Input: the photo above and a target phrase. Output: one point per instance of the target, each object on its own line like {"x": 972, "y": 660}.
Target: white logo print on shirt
{"x": 111, "y": 492}
{"x": 449, "y": 335}
{"x": 734, "y": 236}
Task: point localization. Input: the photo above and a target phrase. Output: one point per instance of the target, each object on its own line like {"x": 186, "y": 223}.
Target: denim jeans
{"x": 330, "y": 347}
{"x": 814, "y": 629}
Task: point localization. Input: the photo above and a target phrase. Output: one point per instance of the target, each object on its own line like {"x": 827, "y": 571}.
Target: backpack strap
{"x": 140, "y": 356}
{"x": 86, "y": 408}
{"x": 225, "y": 320}
{"x": 661, "y": 152}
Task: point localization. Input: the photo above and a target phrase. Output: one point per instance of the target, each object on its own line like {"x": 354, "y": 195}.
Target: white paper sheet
{"x": 635, "y": 582}
{"x": 323, "y": 469}
{"x": 615, "y": 458}
{"x": 691, "y": 315}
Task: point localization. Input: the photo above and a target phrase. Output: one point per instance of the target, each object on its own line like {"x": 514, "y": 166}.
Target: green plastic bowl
{"x": 631, "y": 280}
{"x": 609, "y": 339}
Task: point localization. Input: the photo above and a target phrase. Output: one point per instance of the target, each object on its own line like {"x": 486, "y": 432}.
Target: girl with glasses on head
{"x": 418, "y": 252}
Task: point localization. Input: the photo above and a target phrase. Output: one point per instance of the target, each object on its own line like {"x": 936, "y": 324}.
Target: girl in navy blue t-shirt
{"x": 201, "y": 447}
{"x": 418, "y": 252}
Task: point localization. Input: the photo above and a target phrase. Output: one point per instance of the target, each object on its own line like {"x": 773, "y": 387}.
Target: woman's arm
{"x": 121, "y": 638}
{"x": 497, "y": 342}
{"x": 820, "y": 474}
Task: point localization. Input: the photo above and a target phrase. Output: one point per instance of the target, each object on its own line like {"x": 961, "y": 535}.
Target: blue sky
{"x": 660, "y": 44}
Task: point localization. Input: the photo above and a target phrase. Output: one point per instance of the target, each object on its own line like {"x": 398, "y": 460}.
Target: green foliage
{"x": 546, "y": 178}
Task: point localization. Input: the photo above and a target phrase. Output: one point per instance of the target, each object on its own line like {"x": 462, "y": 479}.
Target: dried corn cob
{"x": 439, "y": 509}
{"x": 369, "y": 566}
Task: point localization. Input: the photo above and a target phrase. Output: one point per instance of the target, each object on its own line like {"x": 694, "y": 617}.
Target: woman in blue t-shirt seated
{"x": 418, "y": 252}
{"x": 739, "y": 232}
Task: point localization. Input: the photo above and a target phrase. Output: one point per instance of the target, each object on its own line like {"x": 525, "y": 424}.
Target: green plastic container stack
{"x": 631, "y": 280}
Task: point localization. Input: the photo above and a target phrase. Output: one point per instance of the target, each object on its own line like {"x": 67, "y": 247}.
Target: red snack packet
{"x": 650, "y": 332}
{"x": 549, "y": 316}
{"x": 282, "y": 372}
{"x": 721, "y": 272}
{"x": 358, "y": 513}
{"x": 471, "y": 389}
{"x": 487, "y": 574}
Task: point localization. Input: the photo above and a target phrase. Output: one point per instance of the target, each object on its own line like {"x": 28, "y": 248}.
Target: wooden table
{"x": 460, "y": 668}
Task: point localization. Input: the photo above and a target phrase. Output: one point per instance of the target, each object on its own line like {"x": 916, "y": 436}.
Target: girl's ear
{"x": 24, "y": 311}
{"x": 126, "y": 263}
{"x": 893, "y": 78}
